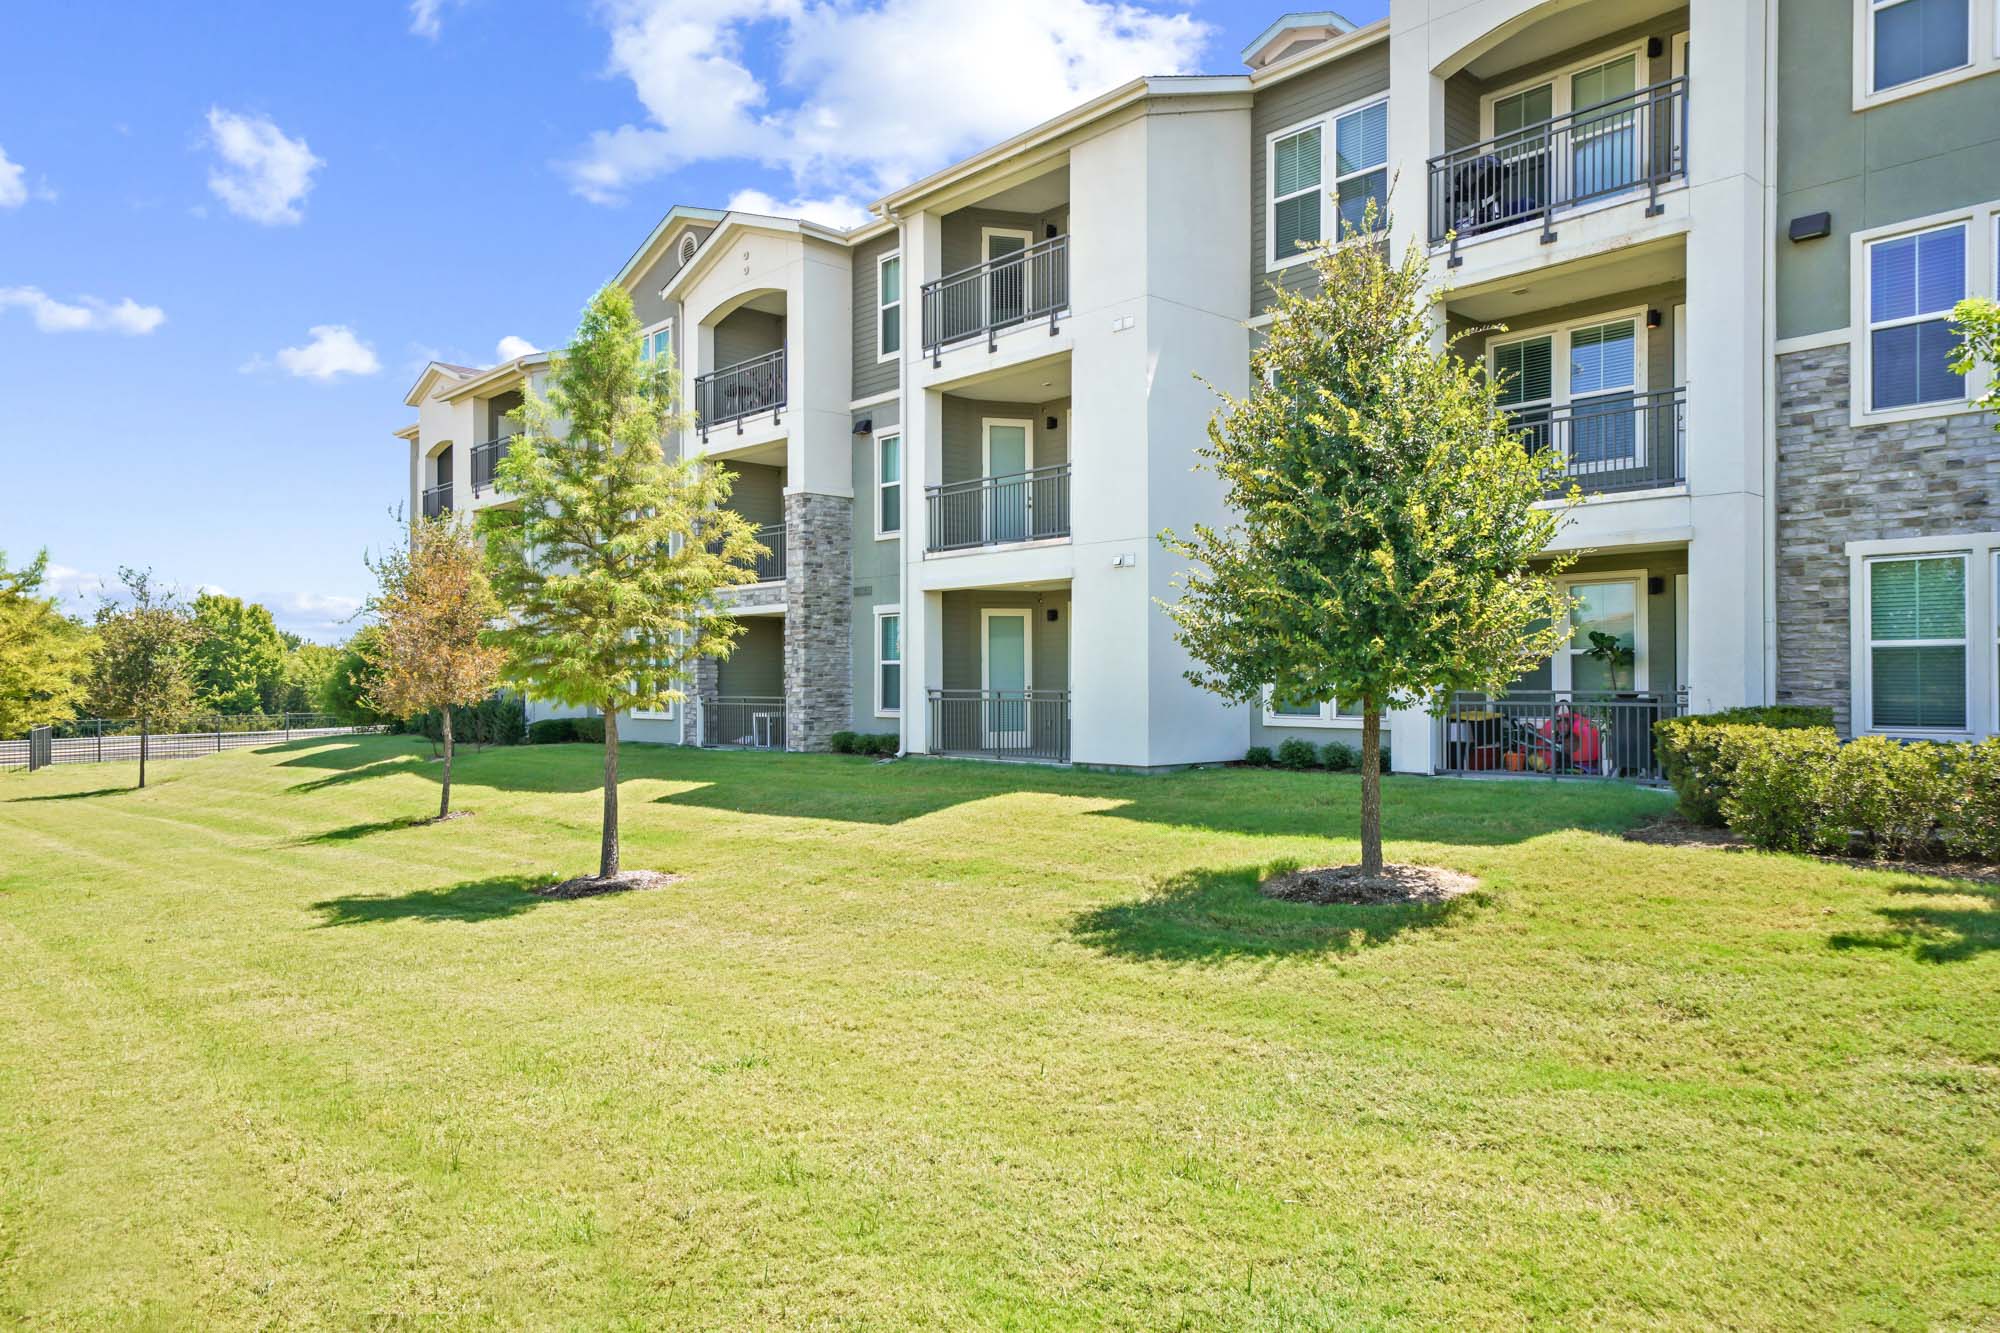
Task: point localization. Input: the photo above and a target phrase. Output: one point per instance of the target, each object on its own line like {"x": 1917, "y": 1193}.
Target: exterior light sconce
{"x": 865, "y": 426}
{"x": 1811, "y": 227}
{"x": 1654, "y": 319}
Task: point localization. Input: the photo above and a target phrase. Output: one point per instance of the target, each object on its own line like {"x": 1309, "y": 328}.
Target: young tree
{"x": 143, "y": 659}
{"x": 237, "y": 654}
{"x": 609, "y": 564}
{"x": 44, "y": 655}
{"x": 1389, "y": 543}
{"x": 432, "y": 606}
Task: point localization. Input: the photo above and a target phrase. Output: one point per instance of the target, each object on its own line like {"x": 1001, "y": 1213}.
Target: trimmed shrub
{"x": 1386, "y": 766}
{"x": 552, "y": 731}
{"x": 1970, "y": 821}
{"x": 1340, "y": 757}
{"x": 1298, "y": 754}
{"x": 842, "y": 742}
{"x": 1895, "y": 796}
{"x": 1690, "y": 751}
{"x": 883, "y": 745}
{"x": 1259, "y": 756}
{"x": 497, "y": 720}
{"x": 1776, "y": 794}
{"x": 590, "y": 730}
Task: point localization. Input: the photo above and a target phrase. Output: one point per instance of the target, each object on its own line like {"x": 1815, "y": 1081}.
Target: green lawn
{"x": 929, "y": 1044}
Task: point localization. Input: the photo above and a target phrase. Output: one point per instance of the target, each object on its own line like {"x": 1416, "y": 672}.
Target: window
{"x": 1284, "y": 712}
{"x": 1913, "y": 282}
{"x": 1576, "y": 389}
{"x": 1917, "y": 643}
{"x": 665, "y": 714}
{"x": 1915, "y": 39}
{"x": 657, "y": 341}
{"x": 889, "y": 306}
{"x": 1345, "y": 154}
{"x": 888, "y": 662}
{"x": 1607, "y": 643}
{"x": 888, "y": 485}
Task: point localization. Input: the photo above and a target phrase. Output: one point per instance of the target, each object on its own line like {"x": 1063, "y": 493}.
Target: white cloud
{"x": 89, "y": 314}
{"x": 967, "y": 75}
{"x": 427, "y": 16}
{"x": 837, "y": 211}
{"x": 333, "y": 351}
{"x": 74, "y": 589}
{"x": 263, "y": 174}
{"x": 13, "y": 182}
{"x": 511, "y": 347}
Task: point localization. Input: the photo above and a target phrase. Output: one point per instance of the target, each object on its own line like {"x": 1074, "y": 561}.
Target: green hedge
{"x": 1689, "y": 750}
{"x": 881, "y": 744}
{"x": 566, "y": 731}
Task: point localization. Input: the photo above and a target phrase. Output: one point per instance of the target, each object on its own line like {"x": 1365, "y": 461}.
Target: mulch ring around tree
{"x": 1397, "y": 884}
{"x": 590, "y": 886}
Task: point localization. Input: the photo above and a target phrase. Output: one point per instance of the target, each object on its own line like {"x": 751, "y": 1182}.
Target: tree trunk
{"x": 142, "y": 751}
{"x": 607, "y": 856}
{"x": 1371, "y": 789}
{"x": 444, "y": 796}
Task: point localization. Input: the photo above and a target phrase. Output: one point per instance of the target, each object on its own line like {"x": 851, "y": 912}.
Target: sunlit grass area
{"x": 939, "y": 1044}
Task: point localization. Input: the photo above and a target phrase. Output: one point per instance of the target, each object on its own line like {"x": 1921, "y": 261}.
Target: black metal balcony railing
{"x": 770, "y": 566}
{"x": 1001, "y": 293}
{"x": 1595, "y": 152}
{"x": 1620, "y": 442}
{"x": 1558, "y": 733}
{"x": 737, "y": 392}
{"x": 486, "y": 461}
{"x": 750, "y": 721}
{"x": 437, "y": 500}
{"x": 991, "y": 511}
{"x": 1001, "y": 724}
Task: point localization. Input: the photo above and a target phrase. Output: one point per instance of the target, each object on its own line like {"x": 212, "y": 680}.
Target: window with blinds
{"x": 1295, "y": 190}
{"x": 1916, "y": 643}
{"x": 1526, "y": 371}
{"x": 1360, "y": 165}
{"x": 1913, "y": 282}
{"x": 1914, "y": 39}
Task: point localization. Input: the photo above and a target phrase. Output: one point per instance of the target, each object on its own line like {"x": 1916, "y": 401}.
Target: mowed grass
{"x": 949, "y": 1045}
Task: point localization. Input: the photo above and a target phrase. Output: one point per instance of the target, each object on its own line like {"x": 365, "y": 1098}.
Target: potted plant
{"x": 1616, "y": 656}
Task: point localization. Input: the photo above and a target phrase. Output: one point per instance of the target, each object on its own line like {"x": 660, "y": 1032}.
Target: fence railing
{"x": 102, "y": 740}
{"x": 750, "y": 721}
{"x": 1000, "y": 724}
{"x": 1558, "y": 733}
{"x": 736, "y": 392}
{"x": 437, "y": 500}
{"x": 486, "y": 461}
{"x": 1537, "y": 171}
{"x": 770, "y": 566}
{"x": 1619, "y": 442}
{"x": 990, "y": 511}
{"x": 1001, "y": 293}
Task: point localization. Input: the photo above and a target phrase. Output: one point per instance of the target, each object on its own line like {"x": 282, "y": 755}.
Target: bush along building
{"x": 1710, "y": 246}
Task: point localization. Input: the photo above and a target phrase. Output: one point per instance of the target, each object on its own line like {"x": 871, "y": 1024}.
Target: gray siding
{"x": 758, "y": 493}
{"x": 964, "y": 433}
{"x": 646, "y": 302}
{"x": 1335, "y": 84}
{"x": 1910, "y": 158}
{"x": 1048, "y": 640}
{"x": 878, "y": 568}
{"x": 960, "y": 238}
{"x": 1661, "y": 372}
{"x": 872, "y": 375}
{"x": 757, "y": 667}
{"x": 744, "y": 335}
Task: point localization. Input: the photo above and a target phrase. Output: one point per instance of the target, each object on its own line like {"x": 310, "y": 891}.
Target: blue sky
{"x": 231, "y": 233}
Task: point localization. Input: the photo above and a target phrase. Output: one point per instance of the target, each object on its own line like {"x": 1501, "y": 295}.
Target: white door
{"x": 1006, "y": 673}
{"x": 1606, "y": 653}
{"x": 1006, "y": 283}
{"x": 1006, "y": 455}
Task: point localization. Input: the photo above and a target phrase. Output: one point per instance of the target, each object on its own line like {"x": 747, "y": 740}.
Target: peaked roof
{"x": 1260, "y": 53}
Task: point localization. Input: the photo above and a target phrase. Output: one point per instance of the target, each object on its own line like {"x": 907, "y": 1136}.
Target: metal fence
{"x": 486, "y": 462}
{"x": 989, "y": 511}
{"x": 437, "y": 500}
{"x": 770, "y": 566}
{"x": 746, "y": 721}
{"x": 741, "y": 390}
{"x": 103, "y": 740}
{"x": 1620, "y": 442}
{"x": 999, "y": 294}
{"x": 1001, "y": 724}
{"x": 1557, "y": 733}
{"x": 1537, "y": 171}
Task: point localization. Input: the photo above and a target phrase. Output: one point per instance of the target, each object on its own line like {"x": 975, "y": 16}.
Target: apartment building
{"x": 1682, "y": 233}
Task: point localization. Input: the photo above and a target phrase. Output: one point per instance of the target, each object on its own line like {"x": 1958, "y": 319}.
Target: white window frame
{"x": 1981, "y": 552}
{"x": 884, "y": 307}
{"x": 653, "y": 715}
{"x": 1562, "y": 675}
{"x": 884, "y": 707}
{"x": 1982, "y": 52}
{"x": 1980, "y": 221}
{"x": 647, "y": 334}
{"x": 902, "y": 490}
{"x": 1561, "y": 83}
{"x": 1329, "y": 181}
{"x": 1329, "y": 715}
{"x": 1559, "y": 354}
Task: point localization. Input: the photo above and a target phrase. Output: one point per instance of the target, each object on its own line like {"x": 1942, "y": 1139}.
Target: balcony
{"x": 740, "y": 391}
{"x": 746, "y": 721}
{"x": 437, "y": 500}
{"x": 770, "y": 566}
{"x": 996, "y": 511}
{"x": 1025, "y": 724}
{"x": 1557, "y": 733}
{"x": 1006, "y": 292}
{"x": 1601, "y": 152}
{"x": 486, "y": 462}
{"x": 1624, "y": 442}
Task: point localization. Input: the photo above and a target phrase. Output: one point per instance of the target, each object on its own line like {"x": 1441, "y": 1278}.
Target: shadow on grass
{"x": 75, "y": 795}
{"x": 1218, "y": 916}
{"x": 476, "y": 900}
{"x": 352, "y": 832}
{"x": 1938, "y": 932}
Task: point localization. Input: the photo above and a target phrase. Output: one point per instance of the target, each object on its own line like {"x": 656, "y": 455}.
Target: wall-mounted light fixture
{"x": 1811, "y": 227}
{"x": 1654, "y": 319}
{"x": 864, "y": 426}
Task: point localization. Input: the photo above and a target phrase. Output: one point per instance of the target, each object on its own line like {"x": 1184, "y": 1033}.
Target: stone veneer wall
{"x": 1838, "y": 483}
{"x": 819, "y": 532}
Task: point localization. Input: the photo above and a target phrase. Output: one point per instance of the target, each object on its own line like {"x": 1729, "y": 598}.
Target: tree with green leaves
{"x": 1388, "y": 546}
{"x": 145, "y": 667}
{"x": 302, "y": 677}
{"x": 432, "y": 606}
{"x": 346, "y": 689}
{"x": 44, "y": 654}
{"x": 1978, "y": 323}
{"x": 237, "y": 655}
{"x": 609, "y": 561}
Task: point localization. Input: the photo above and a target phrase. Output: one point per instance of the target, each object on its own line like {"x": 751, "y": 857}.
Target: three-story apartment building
{"x": 1681, "y": 233}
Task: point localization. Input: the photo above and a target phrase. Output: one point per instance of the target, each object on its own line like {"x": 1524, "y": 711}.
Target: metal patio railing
{"x": 1595, "y": 152}
{"x": 1001, "y": 293}
{"x": 746, "y": 721}
{"x": 1620, "y": 442}
{"x": 1557, "y": 733}
{"x": 437, "y": 500}
{"x": 486, "y": 461}
{"x": 1000, "y": 724}
{"x": 737, "y": 392}
{"x": 991, "y": 511}
{"x": 770, "y": 566}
